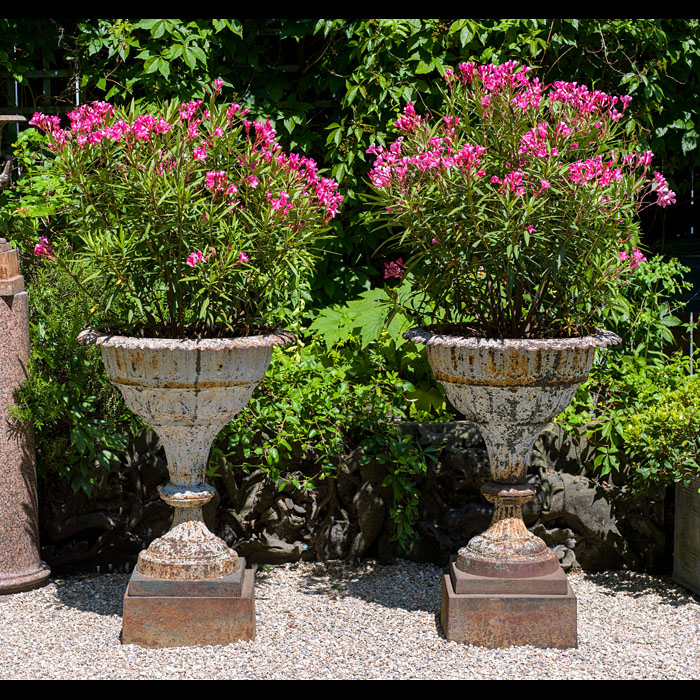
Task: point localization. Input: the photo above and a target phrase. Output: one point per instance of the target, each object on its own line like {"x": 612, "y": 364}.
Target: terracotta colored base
{"x": 166, "y": 613}
{"x": 499, "y": 613}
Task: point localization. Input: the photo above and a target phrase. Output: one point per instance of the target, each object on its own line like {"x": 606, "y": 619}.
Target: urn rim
{"x": 109, "y": 338}
{"x": 452, "y": 335}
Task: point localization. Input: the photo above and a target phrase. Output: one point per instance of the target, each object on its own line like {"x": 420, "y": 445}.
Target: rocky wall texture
{"x": 589, "y": 523}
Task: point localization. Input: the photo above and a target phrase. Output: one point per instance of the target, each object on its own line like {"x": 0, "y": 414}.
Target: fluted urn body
{"x": 186, "y": 391}
{"x": 511, "y": 389}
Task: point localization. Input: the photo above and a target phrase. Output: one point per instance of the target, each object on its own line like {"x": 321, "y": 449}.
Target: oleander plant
{"x": 516, "y": 206}
{"x": 190, "y": 215}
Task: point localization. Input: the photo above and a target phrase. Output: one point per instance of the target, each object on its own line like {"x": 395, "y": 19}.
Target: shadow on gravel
{"x": 402, "y": 586}
{"x": 405, "y": 586}
{"x": 96, "y": 593}
{"x": 637, "y": 585}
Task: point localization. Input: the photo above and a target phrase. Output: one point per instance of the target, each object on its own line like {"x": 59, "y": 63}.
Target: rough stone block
{"x": 497, "y": 613}
{"x": 686, "y": 546}
{"x": 163, "y": 613}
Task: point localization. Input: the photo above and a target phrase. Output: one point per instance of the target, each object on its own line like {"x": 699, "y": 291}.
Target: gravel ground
{"x": 341, "y": 621}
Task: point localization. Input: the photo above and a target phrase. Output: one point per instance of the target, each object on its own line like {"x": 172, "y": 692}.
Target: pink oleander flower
{"x": 395, "y": 269}
{"x": 235, "y": 109}
{"x": 161, "y": 126}
{"x": 44, "y": 249}
{"x": 142, "y": 126}
{"x": 410, "y": 121}
{"x": 636, "y": 258}
{"x": 199, "y": 153}
{"x": 189, "y": 109}
{"x": 213, "y": 178}
{"x": 281, "y": 204}
{"x": 513, "y": 181}
{"x": 194, "y": 258}
{"x": 243, "y": 258}
{"x": 193, "y": 128}
{"x": 216, "y": 181}
{"x": 665, "y": 196}
{"x": 45, "y": 122}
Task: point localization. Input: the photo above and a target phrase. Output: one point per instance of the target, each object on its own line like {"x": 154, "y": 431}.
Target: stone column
{"x": 20, "y": 565}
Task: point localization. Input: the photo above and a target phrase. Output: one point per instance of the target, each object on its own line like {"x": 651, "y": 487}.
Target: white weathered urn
{"x": 511, "y": 389}
{"x": 186, "y": 391}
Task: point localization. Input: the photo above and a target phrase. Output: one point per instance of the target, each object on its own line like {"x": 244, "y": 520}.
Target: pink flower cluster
{"x": 196, "y": 257}
{"x": 217, "y": 181}
{"x": 265, "y": 138}
{"x": 634, "y": 259}
{"x": 440, "y": 154}
{"x": 233, "y": 110}
{"x": 193, "y": 259}
{"x": 492, "y": 76}
{"x": 189, "y": 109}
{"x": 395, "y": 268}
{"x": 534, "y": 143}
{"x": 303, "y": 171}
{"x": 527, "y": 93}
{"x": 665, "y": 196}
{"x": 90, "y": 125}
{"x": 513, "y": 182}
{"x": 145, "y": 124}
{"x": 280, "y": 204}
{"x": 44, "y": 249}
{"x": 586, "y": 101}
{"x": 410, "y": 121}
{"x": 595, "y": 170}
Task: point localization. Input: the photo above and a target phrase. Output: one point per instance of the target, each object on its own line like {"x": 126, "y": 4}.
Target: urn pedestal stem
{"x": 188, "y": 551}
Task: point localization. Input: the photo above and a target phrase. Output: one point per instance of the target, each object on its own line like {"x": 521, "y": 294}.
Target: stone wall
{"x": 590, "y": 524}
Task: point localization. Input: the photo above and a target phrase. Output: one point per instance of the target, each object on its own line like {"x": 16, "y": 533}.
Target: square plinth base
{"x": 163, "y": 613}
{"x": 498, "y": 613}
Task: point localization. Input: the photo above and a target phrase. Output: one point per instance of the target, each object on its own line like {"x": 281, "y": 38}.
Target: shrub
{"x": 309, "y": 415}
{"x": 639, "y": 407}
{"x": 81, "y": 423}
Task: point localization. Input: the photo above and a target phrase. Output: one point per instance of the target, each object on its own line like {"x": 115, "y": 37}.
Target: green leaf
{"x": 163, "y": 67}
{"x": 147, "y": 23}
{"x": 466, "y": 35}
{"x": 689, "y": 142}
{"x": 199, "y": 54}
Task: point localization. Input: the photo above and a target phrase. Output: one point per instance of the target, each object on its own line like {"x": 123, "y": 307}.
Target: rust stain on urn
{"x": 505, "y": 379}
{"x": 173, "y": 384}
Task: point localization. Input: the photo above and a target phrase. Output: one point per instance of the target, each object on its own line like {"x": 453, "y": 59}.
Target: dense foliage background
{"x": 332, "y": 87}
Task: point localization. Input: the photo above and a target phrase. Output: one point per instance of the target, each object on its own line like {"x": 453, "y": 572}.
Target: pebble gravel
{"x": 335, "y": 620}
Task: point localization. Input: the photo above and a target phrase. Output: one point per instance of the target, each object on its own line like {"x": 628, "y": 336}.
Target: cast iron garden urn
{"x": 186, "y": 391}
{"x": 506, "y": 586}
